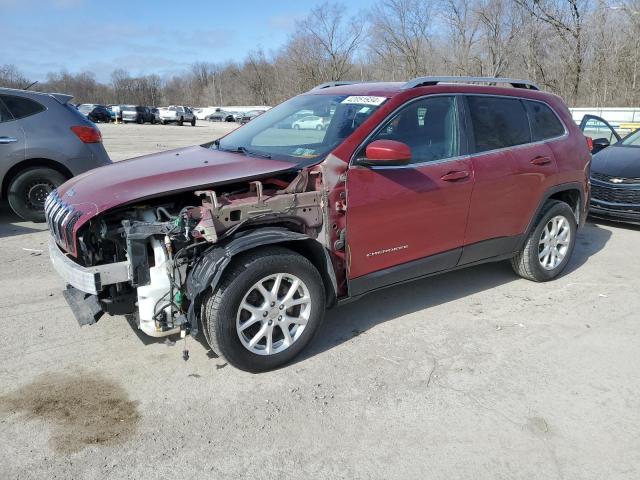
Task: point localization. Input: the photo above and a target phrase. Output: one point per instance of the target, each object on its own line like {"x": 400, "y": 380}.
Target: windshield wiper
{"x": 248, "y": 153}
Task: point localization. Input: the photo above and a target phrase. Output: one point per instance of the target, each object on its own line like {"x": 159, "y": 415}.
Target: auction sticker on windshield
{"x": 364, "y": 100}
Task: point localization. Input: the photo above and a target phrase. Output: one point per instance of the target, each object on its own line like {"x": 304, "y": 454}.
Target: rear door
{"x": 513, "y": 166}
{"x": 12, "y": 139}
{"x": 408, "y": 221}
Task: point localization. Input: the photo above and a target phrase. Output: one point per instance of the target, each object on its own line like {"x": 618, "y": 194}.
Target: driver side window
{"x": 428, "y": 126}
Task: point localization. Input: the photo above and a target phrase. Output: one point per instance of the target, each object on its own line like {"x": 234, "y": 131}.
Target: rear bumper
{"x": 87, "y": 279}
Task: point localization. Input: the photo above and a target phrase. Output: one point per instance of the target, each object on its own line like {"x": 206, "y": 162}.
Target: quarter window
{"x": 544, "y": 123}
{"x": 429, "y": 126}
{"x": 498, "y": 122}
{"x": 21, "y": 107}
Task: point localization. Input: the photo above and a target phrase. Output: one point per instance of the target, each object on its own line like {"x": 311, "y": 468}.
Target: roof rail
{"x": 335, "y": 83}
{"x": 430, "y": 81}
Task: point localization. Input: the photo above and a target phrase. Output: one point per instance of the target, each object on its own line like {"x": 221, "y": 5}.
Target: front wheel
{"x": 193, "y": 122}
{"x": 29, "y": 189}
{"x": 549, "y": 246}
{"x": 181, "y": 121}
{"x": 267, "y": 308}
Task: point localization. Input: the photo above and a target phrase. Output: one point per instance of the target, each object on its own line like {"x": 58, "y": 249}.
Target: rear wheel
{"x": 267, "y": 308}
{"x": 549, "y": 246}
{"x": 181, "y": 121}
{"x": 193, "y": 122}
{"x": 29, "y": 189}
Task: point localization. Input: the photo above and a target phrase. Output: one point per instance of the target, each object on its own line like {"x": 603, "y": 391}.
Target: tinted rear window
{"x": 544, "y": 123}
{"x": 5, "y": 116}
{"x": 21, "y": 107}
{"x": 498, "y": 122}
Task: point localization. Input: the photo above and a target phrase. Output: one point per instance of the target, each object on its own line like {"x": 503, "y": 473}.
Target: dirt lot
{"x": 476, "y": 374}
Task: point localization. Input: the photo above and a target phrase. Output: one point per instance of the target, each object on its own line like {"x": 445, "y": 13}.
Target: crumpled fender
{"x": 208, "y": 269}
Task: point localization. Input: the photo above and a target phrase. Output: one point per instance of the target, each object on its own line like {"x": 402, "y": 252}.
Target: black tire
{"x": 27, "y": 191}
{"x": 193, "y": 122}
{"x": 220, "y": 307}
{"x": 296, "y": 127}
{"x": 164, "y": 122}
{"x": 526, "y": 262}
{"x": 319, "y": 127}
{"x": 181, "y": 122}
{"x": 140, "y": 120}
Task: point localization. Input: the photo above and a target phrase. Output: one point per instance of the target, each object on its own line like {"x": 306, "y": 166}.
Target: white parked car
{"x": 310, "y": 122}
{"x": 177, "y": 114}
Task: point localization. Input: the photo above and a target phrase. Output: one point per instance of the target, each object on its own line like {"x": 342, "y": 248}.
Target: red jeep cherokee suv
{"x": 252, "y": 236}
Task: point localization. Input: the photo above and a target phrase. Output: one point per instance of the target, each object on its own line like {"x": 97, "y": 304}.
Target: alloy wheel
{"x": 554, "y": 242}
{"x": 273, "y": 314}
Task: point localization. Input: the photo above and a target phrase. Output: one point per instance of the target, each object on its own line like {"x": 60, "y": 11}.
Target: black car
{"x": 247, "y": 117}
{"x": 137, "y": 114}
{"x": 615, "y": 171}
{"x": 95, "y": 113}
{"x": 221, "y": 116}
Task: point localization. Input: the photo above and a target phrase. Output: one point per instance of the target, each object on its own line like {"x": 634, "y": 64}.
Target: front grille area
{"x": 615, "y": 180}
{"x": 61, "y": 218}
{"x": 615, "y": 195}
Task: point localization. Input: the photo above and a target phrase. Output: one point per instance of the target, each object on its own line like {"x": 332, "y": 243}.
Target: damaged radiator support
{"x": 222, "y": 214}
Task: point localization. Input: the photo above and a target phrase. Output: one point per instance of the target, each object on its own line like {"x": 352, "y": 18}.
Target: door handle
{"x": 455, "y": 176}
{"x": 541, "y": 161}
{"x": 4, "y": 140}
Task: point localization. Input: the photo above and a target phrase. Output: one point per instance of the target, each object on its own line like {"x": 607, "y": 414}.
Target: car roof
{"x": 390, "y": 89}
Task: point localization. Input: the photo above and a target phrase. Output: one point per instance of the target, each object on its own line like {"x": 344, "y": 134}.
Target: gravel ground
{"x": 475, "y": 374}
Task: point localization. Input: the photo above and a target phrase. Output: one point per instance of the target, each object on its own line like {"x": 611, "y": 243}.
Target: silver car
{"x": 44, "y": 140}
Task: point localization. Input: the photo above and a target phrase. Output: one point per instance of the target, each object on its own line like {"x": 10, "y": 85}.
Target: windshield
{"x": 631, "y": 140}
{"x": 85, "y": 108}
{"x": 306, "y": 126}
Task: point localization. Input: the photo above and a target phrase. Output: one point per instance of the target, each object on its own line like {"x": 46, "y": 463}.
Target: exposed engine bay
{"x": 163, "y": 238}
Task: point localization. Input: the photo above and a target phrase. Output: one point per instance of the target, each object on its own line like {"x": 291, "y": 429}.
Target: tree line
{"x": 586, "y": 51}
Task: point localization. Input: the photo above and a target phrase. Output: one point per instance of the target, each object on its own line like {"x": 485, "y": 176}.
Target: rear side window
{"x": 498, "y": 122}
{"x": 5, "y": 116}
{"x": 544, "y": 123}
{"x": 21, "y": 107}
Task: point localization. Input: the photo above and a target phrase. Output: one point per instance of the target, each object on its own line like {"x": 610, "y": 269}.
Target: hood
{"x": 121, "y": 183}
{"x": 173, "y": 171}
{"x": 616, "y": 161}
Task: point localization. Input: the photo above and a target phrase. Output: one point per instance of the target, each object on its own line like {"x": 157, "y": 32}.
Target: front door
{"x": 600, "y": 131}
{"x": 408, "y": 221}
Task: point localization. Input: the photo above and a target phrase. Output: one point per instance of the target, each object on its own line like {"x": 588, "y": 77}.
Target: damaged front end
{"x": 153, "y": 259}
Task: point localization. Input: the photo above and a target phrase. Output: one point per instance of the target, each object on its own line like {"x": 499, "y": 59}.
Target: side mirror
{"x": 387, "y": 152}
{"x": 599, "y": 144}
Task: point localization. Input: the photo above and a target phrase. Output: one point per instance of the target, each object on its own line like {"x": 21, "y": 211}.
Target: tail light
{"x": 589, "y": 143}
{"x": 87, "y": 134}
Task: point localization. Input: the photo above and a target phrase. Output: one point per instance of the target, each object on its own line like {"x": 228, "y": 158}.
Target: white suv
{"x": 177, "y": 114}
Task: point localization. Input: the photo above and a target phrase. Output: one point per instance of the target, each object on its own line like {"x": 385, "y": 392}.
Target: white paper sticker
{"x": 364, "y": 100}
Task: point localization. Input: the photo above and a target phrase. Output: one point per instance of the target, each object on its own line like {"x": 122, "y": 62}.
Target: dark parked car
{"x": 256, "y": 233}
{"x": 248, "y": 116}
{"x": 137, "y": 114}
{"x": 221, "y": 116}
{"x": 44, "y": 140}
{"x": 615, "y": 171}
{"x": 95, "y": 113}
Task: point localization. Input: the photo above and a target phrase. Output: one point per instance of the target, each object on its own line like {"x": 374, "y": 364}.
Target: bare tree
{"x": 399, "y": 35}
{"x": 325, "y": 42}
{"x": 567, "y": 18}
{"x": 11, "y": 77}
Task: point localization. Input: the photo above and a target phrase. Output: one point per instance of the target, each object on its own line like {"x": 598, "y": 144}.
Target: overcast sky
{"x": 142, "y": 37}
